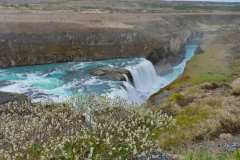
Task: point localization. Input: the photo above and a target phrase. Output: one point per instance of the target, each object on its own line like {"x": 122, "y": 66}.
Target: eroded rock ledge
{"x": 40, "y": 37}
{"x": 12, "y": 97}
{"x": 87, "y": 44}
{"x": 26, "y": 41}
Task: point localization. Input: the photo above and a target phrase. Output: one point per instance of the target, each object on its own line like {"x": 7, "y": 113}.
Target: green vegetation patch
{"x": 215, "y": 64}
{"x": 190, "y": 123}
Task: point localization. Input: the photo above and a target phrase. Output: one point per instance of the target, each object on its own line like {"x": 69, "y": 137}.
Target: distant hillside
{"x": 121, "y": 6}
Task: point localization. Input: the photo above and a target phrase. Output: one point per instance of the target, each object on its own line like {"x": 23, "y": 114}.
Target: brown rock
{"x": 12, "y": 97}
{"x": 226, "y": 136}
{"x": 210, "y": 86}
{"x": 116, "y": 74}
{"x": 236, "y": 87}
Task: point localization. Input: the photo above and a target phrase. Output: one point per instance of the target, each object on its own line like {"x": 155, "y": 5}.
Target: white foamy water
{"x": 58, "y": 82}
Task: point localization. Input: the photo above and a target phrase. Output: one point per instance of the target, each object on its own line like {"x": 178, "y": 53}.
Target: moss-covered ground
{"x": 214, "y": 64}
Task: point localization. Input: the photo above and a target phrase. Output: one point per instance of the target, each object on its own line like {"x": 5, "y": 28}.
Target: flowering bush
{"x": 85, "y": 127}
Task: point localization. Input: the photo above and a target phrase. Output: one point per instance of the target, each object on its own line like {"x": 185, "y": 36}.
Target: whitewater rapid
{"x": 59, "y": 82}
{"x": 147, "y": 81}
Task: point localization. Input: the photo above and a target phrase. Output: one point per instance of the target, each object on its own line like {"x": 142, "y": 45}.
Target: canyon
{"x": 33, "y": 37}
{"x": 42, "y": 38}
{"x": 62, "y": 62}
{"x": 39, "y": 37}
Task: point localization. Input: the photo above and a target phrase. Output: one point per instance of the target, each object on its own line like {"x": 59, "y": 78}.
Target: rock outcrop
{"x": 12, "y": 97}
{"x": 236, "y": 86}
{"x": 39, "y": 37}
{"x": 34, "y": 48}
{"x": 28, "y": 41}
{"x": 115, "y": 74}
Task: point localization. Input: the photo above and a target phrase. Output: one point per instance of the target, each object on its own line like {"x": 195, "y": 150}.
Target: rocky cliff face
{"x": 87, "y": 44}
{"x": 84, "y": 44}
{"x": 38, "y": 38}
{"x": 23, "y": 42}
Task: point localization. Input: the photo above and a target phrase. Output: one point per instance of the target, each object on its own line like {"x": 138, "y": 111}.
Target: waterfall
{"x": 146, "y": 81}
{"x": 144, "y": 76}
{"x": 132, "y": 94}
{"x": 126, "y": 77}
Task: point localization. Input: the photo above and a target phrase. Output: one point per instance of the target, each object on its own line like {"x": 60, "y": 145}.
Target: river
{"x": 58, "y": 82}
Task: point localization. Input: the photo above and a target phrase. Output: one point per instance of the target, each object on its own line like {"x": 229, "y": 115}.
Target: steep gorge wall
{"x": 160, "y": 39}
{"x": 28, "y": 38}
{"x": 84, "y": 44}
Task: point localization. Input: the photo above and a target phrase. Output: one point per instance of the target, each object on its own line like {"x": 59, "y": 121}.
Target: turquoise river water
{"x": 58, "y": 82}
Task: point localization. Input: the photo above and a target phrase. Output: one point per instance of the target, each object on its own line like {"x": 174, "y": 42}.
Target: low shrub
{"x": 176, "y": 97}
{"x": 180, "y": 99}
{"x": 85, "y": 127}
